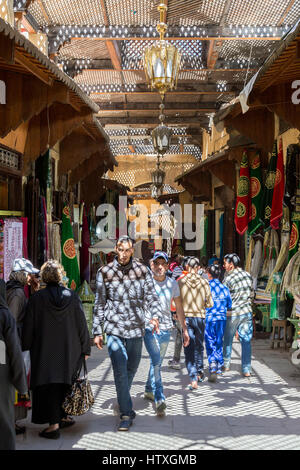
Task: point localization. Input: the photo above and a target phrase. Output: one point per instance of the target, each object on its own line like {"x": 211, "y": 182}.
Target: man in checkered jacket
{"x": 124, "y": 290}
{"x": 239, "y": 283}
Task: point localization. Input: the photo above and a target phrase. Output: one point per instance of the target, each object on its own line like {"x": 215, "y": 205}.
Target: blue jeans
{"x": 156, "y": 345}
{"x": 125, "y": 355}
{"x": 194, "y": 351}
{"x": 244, "y": 326}
{"x": 214, "y": 333}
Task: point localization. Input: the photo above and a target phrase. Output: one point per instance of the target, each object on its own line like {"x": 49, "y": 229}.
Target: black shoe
{"x": 125, "y": 423}
{"x": 132, "y": 414}
{"x": 50, "y": 435}
{"x": 66, "y": 423}
{"x": 20, "y": 429}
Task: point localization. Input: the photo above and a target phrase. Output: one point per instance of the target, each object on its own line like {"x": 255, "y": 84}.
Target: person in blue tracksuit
{"x": 216, "y": 321}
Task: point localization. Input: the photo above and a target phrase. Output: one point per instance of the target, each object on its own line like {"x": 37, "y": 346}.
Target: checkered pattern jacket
{"x": 239, "y": 283}
{"x": 123, "y": 293}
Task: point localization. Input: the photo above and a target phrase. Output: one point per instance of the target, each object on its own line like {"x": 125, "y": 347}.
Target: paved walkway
{"x": 235, "y": 413}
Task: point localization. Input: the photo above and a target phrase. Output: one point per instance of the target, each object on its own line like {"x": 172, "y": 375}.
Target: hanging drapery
{"x": 1, "y": 249}
{"x": 269, "y": 188}
{"x": 277, "y": 200}
{"x": 256, "y": 194}
{"x": 243, "y": 200}
{"x": 13, "y": 244}
{"x": 25, "y": 234}
{"x": 69, "y": 258}
{"x": 54, "y": 242}
{"x": 84, "y": 250}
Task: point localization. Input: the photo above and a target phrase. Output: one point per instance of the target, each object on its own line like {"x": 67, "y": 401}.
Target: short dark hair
{"x": 233, "y": 258}
{"x": 193, "y": 262}
{"x": 215, "y": 271}
{"x": 125, "y": 239}
{"x": 185, "y": 261}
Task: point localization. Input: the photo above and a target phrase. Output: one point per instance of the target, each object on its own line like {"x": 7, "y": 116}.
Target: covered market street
{"x": 235, "y": 413}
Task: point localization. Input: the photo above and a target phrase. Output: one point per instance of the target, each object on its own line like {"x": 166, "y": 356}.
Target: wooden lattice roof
{"x": 100, "y": 43}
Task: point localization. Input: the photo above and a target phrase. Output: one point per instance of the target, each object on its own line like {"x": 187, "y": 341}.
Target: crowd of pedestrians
{"x": 135, "y": 304}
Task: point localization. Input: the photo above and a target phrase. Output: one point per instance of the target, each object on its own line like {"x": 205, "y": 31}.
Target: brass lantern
{"x": 158, "y": 178}
{"x": 162, "y": 60}
{"x": 161, "y": 135}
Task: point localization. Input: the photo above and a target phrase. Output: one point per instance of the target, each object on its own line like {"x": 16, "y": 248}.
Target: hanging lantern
{"x": 158, "y": 176}
{"x": 162, "y": 60}
{"x": 161, "y": 135}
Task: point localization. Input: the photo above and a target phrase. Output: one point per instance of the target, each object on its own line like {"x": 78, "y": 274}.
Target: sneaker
{"x": 132, "y": 414}
{"x": 174, "y": 364}
{"x": 125, "y": 423}
{"x": 149, "y": 396}
{"x": 160, "y": 407}
{"x": 200, "y": 377}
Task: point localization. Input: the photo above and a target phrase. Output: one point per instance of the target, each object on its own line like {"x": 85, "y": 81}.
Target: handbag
{"x": 80, "y": 398}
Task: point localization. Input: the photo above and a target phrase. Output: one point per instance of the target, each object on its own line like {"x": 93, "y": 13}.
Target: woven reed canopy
{"x": 101, "y": 43}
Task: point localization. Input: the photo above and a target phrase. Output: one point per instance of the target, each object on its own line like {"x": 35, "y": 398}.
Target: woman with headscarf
{"x": 56, "y": 334}
{"x": 19, "y": 277}
{"x": 12, "y": 372}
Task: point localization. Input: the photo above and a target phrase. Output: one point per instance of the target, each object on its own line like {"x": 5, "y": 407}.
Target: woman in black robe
{"x": 56, "y": 334}
{"x": 12, "y": 372}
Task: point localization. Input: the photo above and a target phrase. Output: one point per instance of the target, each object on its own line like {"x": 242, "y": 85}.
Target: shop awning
{"x": 44, "y": 105}
{"x": 198, "y": 180}
{"x": 269, "y": 91}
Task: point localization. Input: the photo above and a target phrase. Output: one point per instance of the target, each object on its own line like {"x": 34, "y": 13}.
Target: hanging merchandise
{"x": 1, "y": 249}
{"x": 256, "y": 194}
{"x": 242, "y": 209}
{"x": 249, "y": 255}
{"x": 265, "y": 267}
{"x": 88, "y": 299}
{"x": 13, "y": 244}
{"x": 84, "y": 250}
{"x": 267, "y": 197}
{"x": 203, "y": 251}
{"x": 275, "y": 296}
{"x": 55, "y": 241}
{"x": 69, "y": 258}
{"x": 257, "y": 261}
{"x": 277, "y": 200}
{"x": 284, "y": 249}
{"x": 295, "y": 219}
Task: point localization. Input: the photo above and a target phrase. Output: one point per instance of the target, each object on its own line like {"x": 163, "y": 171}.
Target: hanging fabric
{"x": 242, "y": 209}
{"x": 13, "y": 244}
{"x": 84, "y": 250}
{"x": 269, "y": 188}
{"x": 69, "y": 258}
{"x": 277, "y": 200}
{"x": 256, "y": 194}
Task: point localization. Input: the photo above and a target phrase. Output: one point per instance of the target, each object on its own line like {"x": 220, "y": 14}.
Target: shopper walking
{"x": 124, "y": 289}
{"x": 56, "y": 334}
{"x": 196, "y": 298}
{"x": 239, "y": 283}
{"x": 157, "y": 342}
{"x": 215, "y": 322}
{"x": 20, "y": 277}
{"x": 174, "y": 363}
{"x": 12, "y": 372}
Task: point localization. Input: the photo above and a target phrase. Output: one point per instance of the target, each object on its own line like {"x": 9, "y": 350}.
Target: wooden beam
{"x": 49, "y": 127}
{"x": 207, "y": 107}
{"x": 7, "y": 49}
{"x": 93, "y": 163}
{"x": 76, "y": 148}
{"x": 286, "y": 12}
{"x": 26, "y": 96}
{"x": 146, "y": 121}
{"x": 257, "y": 124}
{"x": 32, "y": 68}
{"x": 114, "y": 53}
{"x": 44, "y": 12}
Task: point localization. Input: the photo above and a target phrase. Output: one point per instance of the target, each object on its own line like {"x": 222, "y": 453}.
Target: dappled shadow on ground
{"x": 234, "y": 413}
